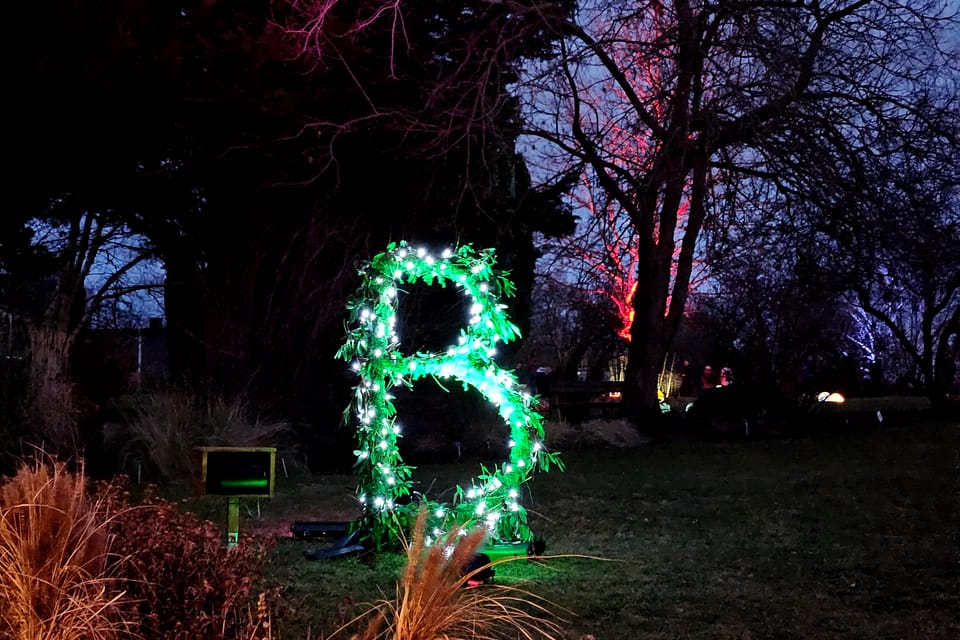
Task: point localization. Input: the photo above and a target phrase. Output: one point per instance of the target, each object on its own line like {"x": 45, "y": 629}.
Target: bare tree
{"x": 906, "y": 266}
{"x": 666, "y": 106}
{"x": 97, "y": 263}
{"x": 669, "y": 104}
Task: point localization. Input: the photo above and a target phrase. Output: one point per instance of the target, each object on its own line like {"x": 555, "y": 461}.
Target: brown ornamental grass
{"x": 55, "y": 582}
{"x": 435, "y": 600}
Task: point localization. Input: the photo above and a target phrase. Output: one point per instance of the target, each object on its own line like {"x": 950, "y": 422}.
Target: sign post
{"x": 237, "y": 472}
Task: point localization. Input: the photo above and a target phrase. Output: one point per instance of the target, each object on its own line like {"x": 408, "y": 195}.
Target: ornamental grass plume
{"x": 54, "y": 558}
{"x": 434, "y": 601}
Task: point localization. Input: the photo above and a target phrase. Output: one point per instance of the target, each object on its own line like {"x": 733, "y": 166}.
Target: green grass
{"x": 841, "y": 536}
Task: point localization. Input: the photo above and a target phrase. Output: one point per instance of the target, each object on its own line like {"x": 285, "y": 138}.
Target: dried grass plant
{"x": 433, "y": 600}
{"x": 163, "y": 429}
{"x": 232, "y": 423}
{"x": 55, "y": 558}
{"x": 162, "y": 432}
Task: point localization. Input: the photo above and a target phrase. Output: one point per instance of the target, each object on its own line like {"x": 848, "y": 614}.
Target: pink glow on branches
{"x": 316, "y": 25}
{"x": 609, "y": 243}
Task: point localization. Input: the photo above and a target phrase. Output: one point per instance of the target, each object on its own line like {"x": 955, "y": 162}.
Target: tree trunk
{"x": 184, "y": 309}
{"x": 52, "y": 401}
{"x": 645, "y": 353}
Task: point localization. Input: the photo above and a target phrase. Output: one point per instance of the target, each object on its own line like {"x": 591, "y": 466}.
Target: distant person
{"x": 726, "y": 377}
{"x": 878, "y": 383}
{"x": 707, "y": 379}
{"x": 686, "y": 381}
{"x": 529, "y": 375}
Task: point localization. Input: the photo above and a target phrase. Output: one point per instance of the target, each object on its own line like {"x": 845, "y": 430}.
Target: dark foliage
{"x": 184, "y": 583}
{"x": 260, "y": 174}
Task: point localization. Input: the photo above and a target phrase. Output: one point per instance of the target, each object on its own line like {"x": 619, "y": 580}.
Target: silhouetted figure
{"x": 708, "y": 379}
{"x": 726, "y": 377}
{"x": 687, "y": 388}
{"x": 877, "y": 383}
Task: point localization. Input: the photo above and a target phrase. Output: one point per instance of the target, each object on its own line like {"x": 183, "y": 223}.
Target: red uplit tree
{"x": 601, "y": 258}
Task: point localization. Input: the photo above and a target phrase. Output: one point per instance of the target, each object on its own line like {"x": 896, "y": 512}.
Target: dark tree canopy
{"x": 259, "y": 173}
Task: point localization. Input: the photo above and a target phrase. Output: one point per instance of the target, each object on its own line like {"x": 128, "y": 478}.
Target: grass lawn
{"x": 838, "y": 536}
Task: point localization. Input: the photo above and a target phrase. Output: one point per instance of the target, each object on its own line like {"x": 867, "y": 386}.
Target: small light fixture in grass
{"x": 832, "y": 398}
{"x": 372, "y": 347}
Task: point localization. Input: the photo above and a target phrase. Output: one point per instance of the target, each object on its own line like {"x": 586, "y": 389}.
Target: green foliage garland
{"x": 372, "y": 346}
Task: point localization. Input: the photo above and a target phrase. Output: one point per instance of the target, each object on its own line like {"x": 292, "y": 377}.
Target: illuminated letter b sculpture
{"x": 372, "y": 346}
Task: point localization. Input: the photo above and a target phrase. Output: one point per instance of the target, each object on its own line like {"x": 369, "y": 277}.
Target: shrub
{"x": 563, "y": 435}
{"x": 184, "y": 584}
{"x": 162, "y": 430}
{"x": 55, "y": 563}
{"x": 76, "y": 565}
